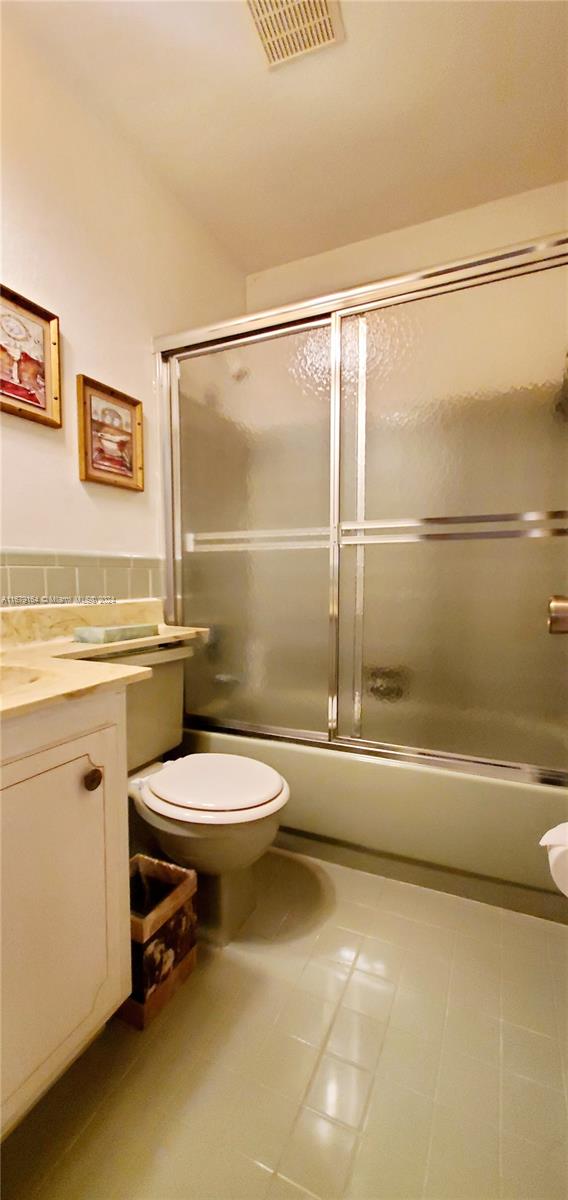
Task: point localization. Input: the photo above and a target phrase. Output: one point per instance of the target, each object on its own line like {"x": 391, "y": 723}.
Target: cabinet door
{"x": 65, "y": 914}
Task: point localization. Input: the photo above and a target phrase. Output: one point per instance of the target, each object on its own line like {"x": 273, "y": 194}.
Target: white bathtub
{"x": 465, "y": 822}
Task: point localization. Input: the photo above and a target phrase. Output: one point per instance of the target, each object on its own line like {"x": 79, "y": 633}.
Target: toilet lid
{"x": 215, "y": 783}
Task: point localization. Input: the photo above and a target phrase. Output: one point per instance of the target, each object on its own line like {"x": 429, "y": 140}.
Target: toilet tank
{"x": 154, "y": 707}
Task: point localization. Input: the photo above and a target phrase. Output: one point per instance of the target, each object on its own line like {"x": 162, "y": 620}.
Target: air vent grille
{"x": 288, "y": 28}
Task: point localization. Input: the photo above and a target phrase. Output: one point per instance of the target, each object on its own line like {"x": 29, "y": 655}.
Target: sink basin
{"x": 16, "y": 677}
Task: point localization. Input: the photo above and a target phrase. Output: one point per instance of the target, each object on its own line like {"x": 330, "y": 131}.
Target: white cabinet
{"x": 65, "y": 910}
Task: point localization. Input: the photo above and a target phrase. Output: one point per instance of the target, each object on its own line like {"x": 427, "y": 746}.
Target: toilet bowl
{"x": 217, "y": 813}
{"x": 556, "y": 842}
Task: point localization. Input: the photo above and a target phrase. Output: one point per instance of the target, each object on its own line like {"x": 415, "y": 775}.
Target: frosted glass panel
{"x": 464, "y": 408}
{"x": 452, "y": 406}
{"x": 255, "y": 423}
{"x": 267, "y": 661}
{"x": 255, "y": 435}
{"x": 455, "y": 650}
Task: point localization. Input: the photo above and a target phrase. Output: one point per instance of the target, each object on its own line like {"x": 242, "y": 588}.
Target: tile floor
{"x": 363, "y": 1038}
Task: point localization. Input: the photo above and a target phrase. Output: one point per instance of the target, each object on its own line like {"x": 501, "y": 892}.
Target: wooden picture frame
{"x": 111, "y": 448}
{"x": 30, "y": 374}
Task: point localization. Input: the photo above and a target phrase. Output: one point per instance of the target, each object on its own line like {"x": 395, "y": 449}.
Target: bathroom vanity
{"x": 65, "y": 878}
{"x": 65, "y": 910}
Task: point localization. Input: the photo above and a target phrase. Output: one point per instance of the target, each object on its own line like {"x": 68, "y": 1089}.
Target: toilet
{"x": 217, "y": 813}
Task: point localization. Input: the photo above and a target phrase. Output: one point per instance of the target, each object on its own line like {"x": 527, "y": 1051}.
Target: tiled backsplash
{"x": 38, "y": 575}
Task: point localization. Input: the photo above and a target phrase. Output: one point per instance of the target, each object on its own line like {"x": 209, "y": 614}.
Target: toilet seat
{"x": 215, "y": 789}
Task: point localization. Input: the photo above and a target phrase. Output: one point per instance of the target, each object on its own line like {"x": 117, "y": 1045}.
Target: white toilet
{"x": 215, "y": 812}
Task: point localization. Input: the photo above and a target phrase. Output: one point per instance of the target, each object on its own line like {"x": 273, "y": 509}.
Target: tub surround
{"x": 39, "y": 664}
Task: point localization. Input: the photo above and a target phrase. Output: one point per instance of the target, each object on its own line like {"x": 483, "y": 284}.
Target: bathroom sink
{"x": 16, "y": 677}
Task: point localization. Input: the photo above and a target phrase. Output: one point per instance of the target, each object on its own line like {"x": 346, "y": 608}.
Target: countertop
{"x": 34, "y": 674}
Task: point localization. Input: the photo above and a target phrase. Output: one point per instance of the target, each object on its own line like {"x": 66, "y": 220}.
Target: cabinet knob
{"x": 92, "y": 779}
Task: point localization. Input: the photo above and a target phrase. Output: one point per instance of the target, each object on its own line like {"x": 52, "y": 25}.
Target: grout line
{"x": 321, "y": 1053}
{"x": 439, "y": 1071}
{"x": 361, "y": 1132}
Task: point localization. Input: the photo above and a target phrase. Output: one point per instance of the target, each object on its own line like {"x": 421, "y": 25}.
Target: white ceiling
{"x": 425, "y": 109}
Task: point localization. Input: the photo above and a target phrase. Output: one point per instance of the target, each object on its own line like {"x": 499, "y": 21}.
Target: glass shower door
{"x": 454, "y": 491}
{"x": 254, "y": 435}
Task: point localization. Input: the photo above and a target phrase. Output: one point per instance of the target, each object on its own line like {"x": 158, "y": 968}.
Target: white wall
{"x": 475, "y": 230}
{"x": 92, "y": 236}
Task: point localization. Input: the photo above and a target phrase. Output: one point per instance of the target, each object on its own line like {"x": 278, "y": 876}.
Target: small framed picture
{"x": 110, "y": 435}
{"x": 30, "y": 383}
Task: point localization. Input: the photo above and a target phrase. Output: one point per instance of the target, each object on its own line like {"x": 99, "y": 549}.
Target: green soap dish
{"x": 113, "y": 633}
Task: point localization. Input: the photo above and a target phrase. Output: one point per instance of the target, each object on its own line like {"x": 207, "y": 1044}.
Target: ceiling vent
{"x": 289, "y": 28}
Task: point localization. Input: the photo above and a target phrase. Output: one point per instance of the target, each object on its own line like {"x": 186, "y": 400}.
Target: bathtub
{"x": 460, "y": 822}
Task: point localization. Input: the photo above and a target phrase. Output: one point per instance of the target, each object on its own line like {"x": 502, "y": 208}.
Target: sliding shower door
{"x": 254, "y": 436}
{"x": 453, "y": 486}
{"x": 374, "y": 510}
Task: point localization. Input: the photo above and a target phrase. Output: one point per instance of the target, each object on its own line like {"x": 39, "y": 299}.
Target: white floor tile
{"x": 284, "y": 1064}
{"x": 477, "y": 954}
{"x": 424, "y": 973}
{"x": 532, "y": 1054}
{"x": 381, "y": 1174}
{"x": 470, "y": 1084}
{"x": 324, "y": 979}
{"x": 318, "y": 1155}
{"x": 306, "y": 1017}
{"x": 420, "y": 1013}
{"x": 530, "y": 1172}
{"x": 533, "y": 1111}
{"x": 380, "y": 958}
{"x": 404, "y": 899}
{"x": 347, "y": 1043}
{"x": 370, "y": 995}
{"x": 469, "y": 1030}
{"x": 529, "y": 1001}
{"x": 340, "y": 1090}
{"x": 398, "y": 1119}
{"x": 356, "y": 1038}
{"x": 360, "y": 918}
{"x": 435, "y": 940}
{"x": 338, "y": 945}
{"x": 410, "y": 1061}
{"x": 464, "y": 1157}
{"x": 477, "y": 988}
{"x": 358, "y": 886}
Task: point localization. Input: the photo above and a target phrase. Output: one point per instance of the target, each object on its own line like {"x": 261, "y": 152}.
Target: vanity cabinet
{"x": 65, "y": 912}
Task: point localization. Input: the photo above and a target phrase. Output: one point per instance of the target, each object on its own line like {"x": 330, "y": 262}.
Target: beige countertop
{"x": 36, "y": 673}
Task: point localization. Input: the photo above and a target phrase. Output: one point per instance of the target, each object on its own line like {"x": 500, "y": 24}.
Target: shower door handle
{"x": 558, "y": 614}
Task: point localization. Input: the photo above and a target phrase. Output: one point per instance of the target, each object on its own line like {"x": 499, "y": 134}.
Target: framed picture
{"x": 29, "y": 360}
{"x": 110, "y": 435}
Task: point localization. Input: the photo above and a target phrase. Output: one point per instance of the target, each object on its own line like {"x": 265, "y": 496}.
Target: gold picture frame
{"x": 30, "y": 374}
{"x": 111, "y": 446}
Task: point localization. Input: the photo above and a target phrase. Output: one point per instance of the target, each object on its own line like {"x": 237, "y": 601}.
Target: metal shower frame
{"x": 541, "y": 254}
